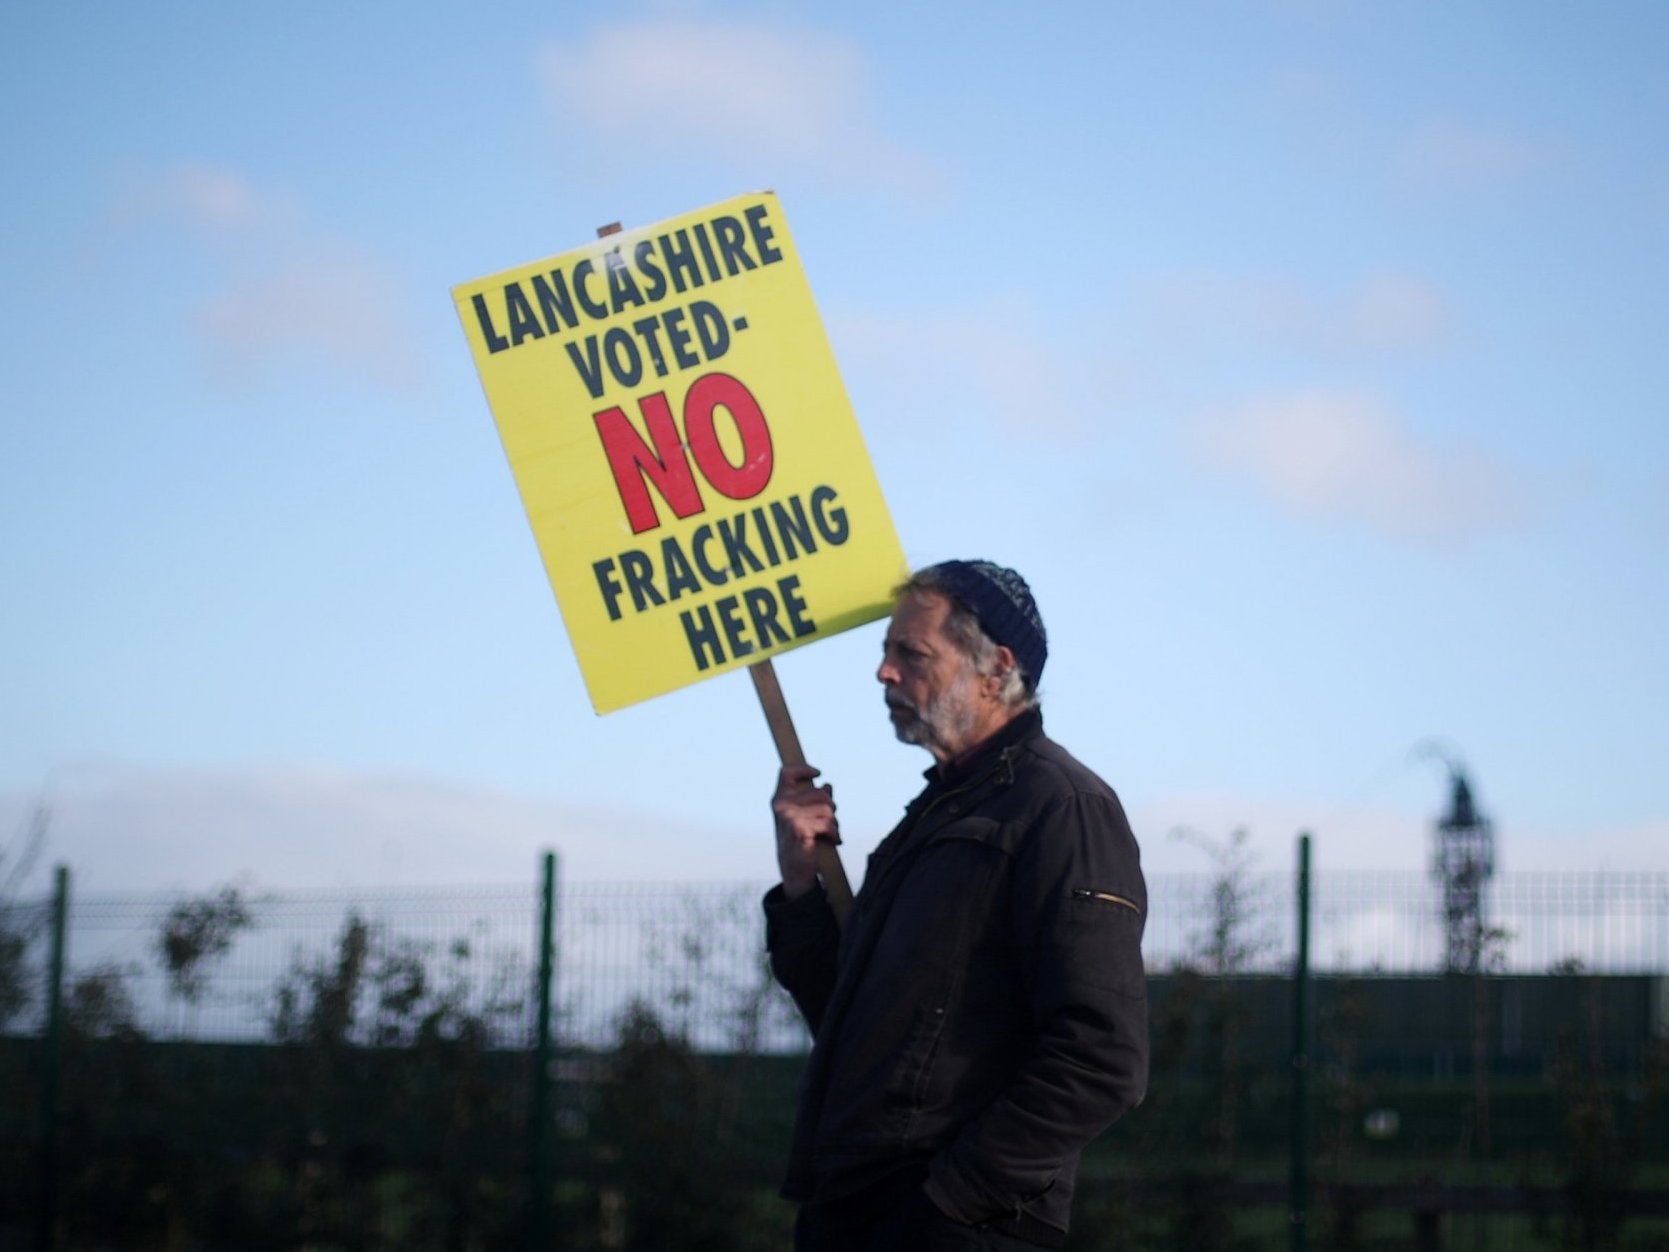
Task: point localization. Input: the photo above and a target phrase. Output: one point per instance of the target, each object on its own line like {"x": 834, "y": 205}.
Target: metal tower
{"x": 1463, "y": 860}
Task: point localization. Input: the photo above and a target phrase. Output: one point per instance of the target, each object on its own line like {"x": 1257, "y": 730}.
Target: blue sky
{"x": 1306, "y": 356}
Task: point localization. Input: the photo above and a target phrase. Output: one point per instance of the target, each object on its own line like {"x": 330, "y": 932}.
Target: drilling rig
{"x": 1463, "y": 862}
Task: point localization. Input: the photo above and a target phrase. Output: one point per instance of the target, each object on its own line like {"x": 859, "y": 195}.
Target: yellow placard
{"x": 684, "y": 447}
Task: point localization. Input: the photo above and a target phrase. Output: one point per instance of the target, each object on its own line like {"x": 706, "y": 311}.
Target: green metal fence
{"x": 250, "y": 1067}
{"x": 695, "y": 950}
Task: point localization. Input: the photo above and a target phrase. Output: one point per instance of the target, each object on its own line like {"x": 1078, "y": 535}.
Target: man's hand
{"x": 805, "y": 813}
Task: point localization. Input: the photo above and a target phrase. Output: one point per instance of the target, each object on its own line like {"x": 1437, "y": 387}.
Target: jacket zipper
{"x": 1106, "y": 897}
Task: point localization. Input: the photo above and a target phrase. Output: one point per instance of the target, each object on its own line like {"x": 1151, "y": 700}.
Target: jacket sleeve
{"x": 803, "y": 940}
{"x": 1079, "y": 905}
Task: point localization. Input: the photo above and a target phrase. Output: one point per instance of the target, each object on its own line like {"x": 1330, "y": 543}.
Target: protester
{"x": 983, "y": 1014}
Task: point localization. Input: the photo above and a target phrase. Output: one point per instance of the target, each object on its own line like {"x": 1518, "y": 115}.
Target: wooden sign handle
{"x": 829, "y": 868}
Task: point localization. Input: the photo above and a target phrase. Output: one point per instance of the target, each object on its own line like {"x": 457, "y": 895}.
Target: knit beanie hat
{"x": 1004, "y": 606}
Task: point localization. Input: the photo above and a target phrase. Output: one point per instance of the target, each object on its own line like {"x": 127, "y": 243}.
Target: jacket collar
{"x": 985, "y": 756}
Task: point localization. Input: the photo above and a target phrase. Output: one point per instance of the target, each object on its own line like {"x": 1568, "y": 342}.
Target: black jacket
{"x": 984, "y": 1014}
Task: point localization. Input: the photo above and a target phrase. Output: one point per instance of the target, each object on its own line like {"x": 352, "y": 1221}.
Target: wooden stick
{"x": 829, "y": 868}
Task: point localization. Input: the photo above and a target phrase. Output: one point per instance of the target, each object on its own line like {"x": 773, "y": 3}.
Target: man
{"x": 983, "y": 1015}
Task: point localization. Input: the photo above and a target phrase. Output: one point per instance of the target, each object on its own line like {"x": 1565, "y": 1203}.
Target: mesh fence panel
{"x": 695, "y": 954}
{"x": 1380, "y": 922}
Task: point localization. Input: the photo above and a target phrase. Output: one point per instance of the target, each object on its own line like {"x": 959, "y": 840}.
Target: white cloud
{"x": 1457, "y": 153}
{"x": 1000, "y": 361}
{"x": 195, "y": 196}
{"x": 1393, "y": 312}
{"x": 1344, "y": 837}
{"x": 131, "y": 828}
{"x": 1385, "y": 312}
{"x": 1196, "y": 306}
{"x": 1377, "y": 837}
{"x": 1345, "y": 457}
{"x": 285, "y": 287}
{"x": 759, "y": 97}
{"x": 340, "y": 310}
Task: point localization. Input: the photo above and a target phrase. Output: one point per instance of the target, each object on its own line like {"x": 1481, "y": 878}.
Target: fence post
{"x": 52, "y": 1067}
{"x": 539, "y": 1155}
{"x": 1300, "y": 1189}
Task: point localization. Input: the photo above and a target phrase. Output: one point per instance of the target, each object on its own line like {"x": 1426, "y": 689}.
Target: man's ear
{"x": 1000, "y": 669}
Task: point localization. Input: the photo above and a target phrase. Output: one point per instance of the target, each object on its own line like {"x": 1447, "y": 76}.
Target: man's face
{"x": 933, "y": 694}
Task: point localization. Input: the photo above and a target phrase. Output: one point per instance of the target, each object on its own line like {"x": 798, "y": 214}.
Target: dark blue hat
{"x": 1003, "y": 603}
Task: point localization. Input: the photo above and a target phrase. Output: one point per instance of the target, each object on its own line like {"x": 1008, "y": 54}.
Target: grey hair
{"x": 963, "y": 628}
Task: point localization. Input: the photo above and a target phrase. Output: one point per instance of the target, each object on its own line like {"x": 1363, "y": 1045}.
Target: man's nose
{"x": 886, "y": 673}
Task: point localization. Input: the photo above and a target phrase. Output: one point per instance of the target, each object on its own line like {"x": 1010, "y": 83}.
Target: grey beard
{"x": 945, "y": 721}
